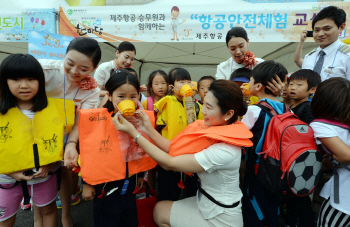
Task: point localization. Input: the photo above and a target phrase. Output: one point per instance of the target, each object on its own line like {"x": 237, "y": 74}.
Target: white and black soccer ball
{"x": 304, "y": 173}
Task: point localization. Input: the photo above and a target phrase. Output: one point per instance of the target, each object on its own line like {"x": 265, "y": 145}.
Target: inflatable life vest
{"x": 171, "y": 113}
{"x": 198, "y": 136}
{"x": 34, "y": 143}
{"x": 102, "y": 148}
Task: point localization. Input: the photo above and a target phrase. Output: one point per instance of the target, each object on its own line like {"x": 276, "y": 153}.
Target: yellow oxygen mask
{"x": 127, "y": 108}
{"x": 186, "y": 90}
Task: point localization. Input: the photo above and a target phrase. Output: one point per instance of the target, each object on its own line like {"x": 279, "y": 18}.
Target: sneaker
{"x": 79, "y": 190}
{"x": 27, "y": 206}
{"x": 74, "y": 201}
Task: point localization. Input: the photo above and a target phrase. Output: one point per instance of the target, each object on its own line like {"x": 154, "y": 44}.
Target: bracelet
{"x": 138, "y": 135}
{"x": 71, "y": 141}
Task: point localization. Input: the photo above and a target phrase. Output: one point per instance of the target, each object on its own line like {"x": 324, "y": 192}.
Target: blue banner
{"x": 43, "y": 45}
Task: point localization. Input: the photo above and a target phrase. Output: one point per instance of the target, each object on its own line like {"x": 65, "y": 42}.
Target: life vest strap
{"x": 216, "y": 202}
{"x": 26, "y": 196}
{"x": 36, "y": 156}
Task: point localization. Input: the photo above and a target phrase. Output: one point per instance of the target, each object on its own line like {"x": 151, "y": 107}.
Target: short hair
{"x": 331, "y": 100}
{"x": 131, "y": 70}
{"x": 175, "y": 8}
{"x": 126, "y": 46}
{"x": 312, "y": 78}
{"x": 236, "y": 32}
{"x": 204, "y": 78}
{"x": 151, "y": 77}
{"x": 333, "y": 13}
{"x": 177, "y": 74}
{"x": 230, "y": 97}
{"x": 21, "y": 66}
{"x": 117, "y": 79}
{"x": 241, "y": 72}
{"x": 88, "y": 47}
{"x": 266, "y": 71}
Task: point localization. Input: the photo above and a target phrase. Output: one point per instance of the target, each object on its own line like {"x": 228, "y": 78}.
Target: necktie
{"x": 319, "y": 63}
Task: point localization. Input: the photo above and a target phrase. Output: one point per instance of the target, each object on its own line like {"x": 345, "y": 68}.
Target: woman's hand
{"x": 71, "y": 156}
{"x": 145, "y": 120}
{"x": 43, "y": 171}
{"x": 303, "y": 36}
{"x": 121, "y": 124}
{"x": 19, "y": 176}
{"x": 89, "y": 192}
{"x": 275, "y": 86}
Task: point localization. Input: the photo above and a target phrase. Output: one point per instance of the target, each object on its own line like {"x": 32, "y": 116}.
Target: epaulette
{"x": 311, "y": 52}
{"x": 345, "y": 49}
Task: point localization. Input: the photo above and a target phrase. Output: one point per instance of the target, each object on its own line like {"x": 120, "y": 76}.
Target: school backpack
{"x": 335, "y": 163}
{"x": 290, "y": 163}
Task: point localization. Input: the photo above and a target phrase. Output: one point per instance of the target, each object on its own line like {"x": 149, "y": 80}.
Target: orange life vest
{"x": 197, "y": 136}
{"x": 101, "y": 148}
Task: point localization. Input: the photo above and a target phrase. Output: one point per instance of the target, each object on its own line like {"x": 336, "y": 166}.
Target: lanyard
{"x": 332, "y": 62}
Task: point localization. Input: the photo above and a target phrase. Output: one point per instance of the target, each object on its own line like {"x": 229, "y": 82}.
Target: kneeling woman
{"x": 210, "y": 148}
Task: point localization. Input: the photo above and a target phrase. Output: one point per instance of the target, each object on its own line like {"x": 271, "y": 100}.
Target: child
{"x": 157, "y": 88}
{"x": 24, "y": 107}
{"x": 241, "y": 77}
{"x": 302, "y": 84}
{"x": 285, "y": 95}
{"x": 203, "y": 86}
{"x": 171, "y": 120}
{"x": 331, "y": 102}
{"x": 260, "y": 206}
{"x": 116, "y": 209}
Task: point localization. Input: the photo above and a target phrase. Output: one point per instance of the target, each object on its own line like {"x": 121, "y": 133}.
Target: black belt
{"x": 216, "y": 202}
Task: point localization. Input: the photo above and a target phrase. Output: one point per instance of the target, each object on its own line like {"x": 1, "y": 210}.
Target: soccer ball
{"x": 304, "y": 173}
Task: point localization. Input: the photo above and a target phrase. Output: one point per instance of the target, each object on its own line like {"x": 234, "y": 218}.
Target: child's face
{"x": 175, "y": 14}
{"x": 204, "y": 87}
{"x": 298, "y": 89}
{"x": 159, "y": 86}
{"x": 77, "y": 66}
{"x": 285, "y": 93}
{"x": 24, "y": 89}
{"x": 125, "y": 59}
{"x": 177, "y": 86}
{"x": 124, "y": 92}
{"x": 253, "y": 88}
{"x": 211, "y": 111}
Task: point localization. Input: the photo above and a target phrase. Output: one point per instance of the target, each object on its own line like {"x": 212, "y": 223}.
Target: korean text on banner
{"x": 43, "y": 45}
{"x": 16, "y": 24}
{"x": 265, "y": 22}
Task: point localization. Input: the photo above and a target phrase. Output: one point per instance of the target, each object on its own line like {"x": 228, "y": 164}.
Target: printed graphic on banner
{"x": 190, "y": 23}
{"x": 15, "y": 25}
{"x": 43, "y": 45}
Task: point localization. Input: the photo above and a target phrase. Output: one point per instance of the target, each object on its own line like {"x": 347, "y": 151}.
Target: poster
{"x": 43, "y": 45}
{"x": 267, "y": 22}
{"x": 15, "y": 25}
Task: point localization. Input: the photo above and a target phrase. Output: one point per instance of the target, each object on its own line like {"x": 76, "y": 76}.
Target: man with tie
{"x": 332, "y": 57}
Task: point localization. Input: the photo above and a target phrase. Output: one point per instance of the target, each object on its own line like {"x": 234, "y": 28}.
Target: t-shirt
{"x": 322, "y": 130}
{"x": 221, "y": 163}
{"x": 306, "y": 114}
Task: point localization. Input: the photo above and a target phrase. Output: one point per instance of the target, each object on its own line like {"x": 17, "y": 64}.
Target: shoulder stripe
{"x": 345, "y": 49}
{"x": 311, "y": 52}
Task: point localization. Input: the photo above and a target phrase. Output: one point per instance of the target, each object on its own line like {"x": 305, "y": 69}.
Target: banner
{"x": 43, "y": 45}
{"x": 192, "y": 23}
{"x": 16, "y": 24}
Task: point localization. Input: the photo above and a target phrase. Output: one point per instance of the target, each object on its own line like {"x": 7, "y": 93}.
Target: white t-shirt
{"x": 221, "y": 163}
{"x": 322, "y": 130}
{"x": 56, "y": 81}
{"x": 103, "y": 73}
{"x": 225, "y": 69}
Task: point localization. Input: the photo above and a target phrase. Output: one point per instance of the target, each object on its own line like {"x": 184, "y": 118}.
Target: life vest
{"x": 172, "y": 114}
{"x": 26, "y": 143}
{"x": 197, "y": 136}
{"x": 102, "y": 148}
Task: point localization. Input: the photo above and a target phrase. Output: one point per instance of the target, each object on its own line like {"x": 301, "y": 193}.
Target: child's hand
{"x": 19, "y": 176}
{"x": 275, "y": 86}
{"x": 145, "y": 120}
{"x": 140, "y": 182}
{"x": 70, "y": 156}
{"x": 143, "y": 88}
{"x": 43, "y": 171}
{"x": 243, "y": 88}
{"x": 88, "y": 192}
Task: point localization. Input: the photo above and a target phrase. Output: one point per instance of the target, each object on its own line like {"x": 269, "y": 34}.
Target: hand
{"x": 303, "y": 36}
{"x": 140, "y": 181}
{"x": 173, "y": 26}
{"x": 71, "y": 156}
{"x": 143, "y": 88}
{"x": 89, "y": 192}
{"x": 243, "y": 88}
{"x": 19, "y": 176}
{"x": 275, "y": 87}
{"x": 121, "y": 124}
{"x": 145, "y": 120}
{"x": 43, "y": 171}
{"x": 184, "y": 20}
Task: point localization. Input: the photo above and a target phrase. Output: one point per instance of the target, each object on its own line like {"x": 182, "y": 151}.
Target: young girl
{"x": 157, "y": 88}
{"x": 331, "y": 102}
{"x": 24, "y": 109}
{"x": 218, "y": 200}
{"x": 171, "y": 120}
{"x": 70, "y": 79}
{"x": 116, "y": 209}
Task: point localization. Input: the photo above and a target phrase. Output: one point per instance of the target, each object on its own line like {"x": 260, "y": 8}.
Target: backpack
{"x": 336, "y": 164}
{"x": 290, "y": 163}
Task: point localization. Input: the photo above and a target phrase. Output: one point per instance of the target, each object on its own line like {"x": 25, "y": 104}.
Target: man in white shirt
{"x": 332, "y": 57}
